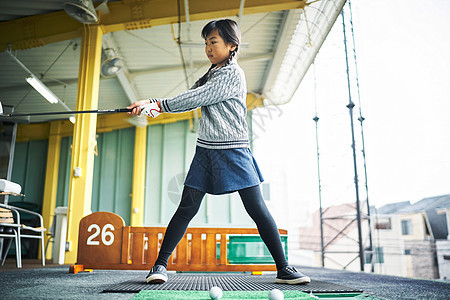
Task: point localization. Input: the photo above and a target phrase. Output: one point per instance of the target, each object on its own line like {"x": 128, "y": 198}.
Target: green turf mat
{"x": 204, "y": 295}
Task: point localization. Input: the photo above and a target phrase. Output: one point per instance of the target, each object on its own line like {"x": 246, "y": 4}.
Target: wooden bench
{"x": 106, "y": 243}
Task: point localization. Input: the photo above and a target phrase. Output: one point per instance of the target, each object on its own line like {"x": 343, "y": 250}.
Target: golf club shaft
{"x": 71, "y": 112}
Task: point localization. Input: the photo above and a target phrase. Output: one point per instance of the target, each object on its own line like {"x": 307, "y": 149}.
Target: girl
{"x": 223, "y": 162}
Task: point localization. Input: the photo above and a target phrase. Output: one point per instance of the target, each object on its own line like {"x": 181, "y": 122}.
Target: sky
{"x": 403, "y": 60}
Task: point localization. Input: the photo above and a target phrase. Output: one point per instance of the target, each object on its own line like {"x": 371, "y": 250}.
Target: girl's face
{"x": 216, "y": 49}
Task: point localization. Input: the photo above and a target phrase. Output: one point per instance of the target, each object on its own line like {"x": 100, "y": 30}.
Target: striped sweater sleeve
{"x": 223, "y": 84}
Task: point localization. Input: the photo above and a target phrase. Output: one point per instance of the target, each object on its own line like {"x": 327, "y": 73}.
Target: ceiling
{"x": 278, "y": 48}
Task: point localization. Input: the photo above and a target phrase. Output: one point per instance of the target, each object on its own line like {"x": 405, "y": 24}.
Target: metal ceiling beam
{"x": 39, "y": 30}
{"x": 277, "y": 57}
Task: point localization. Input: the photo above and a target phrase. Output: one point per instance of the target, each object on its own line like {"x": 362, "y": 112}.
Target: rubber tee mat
{"x": 227, "y": 282}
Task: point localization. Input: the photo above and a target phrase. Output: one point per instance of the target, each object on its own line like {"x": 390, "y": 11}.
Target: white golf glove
{"x": 152, "y": 110}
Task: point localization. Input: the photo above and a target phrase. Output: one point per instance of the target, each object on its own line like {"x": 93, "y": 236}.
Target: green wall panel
{"x": 113, "y": 173}
{"x": 65, "y": 157}
{"x": 170, "y": 149}
{"x": 18, "y": 174}
{"x": 30, "y": 159}
{"x": 174, "y": 148}
{"x": 153, "y": 175}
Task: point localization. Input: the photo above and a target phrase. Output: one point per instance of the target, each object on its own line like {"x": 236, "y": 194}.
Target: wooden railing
{"x": 105, "y": 243}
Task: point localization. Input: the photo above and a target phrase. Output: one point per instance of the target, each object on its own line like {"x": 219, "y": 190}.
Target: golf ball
{"x": 276, "y": 294}
{"x": 215, "y": 293}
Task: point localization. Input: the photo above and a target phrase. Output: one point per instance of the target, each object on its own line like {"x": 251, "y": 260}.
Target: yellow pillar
{"x": 51, "y": 179}
{"x": 138, "y": 191}
{"x": 82, "y": 165}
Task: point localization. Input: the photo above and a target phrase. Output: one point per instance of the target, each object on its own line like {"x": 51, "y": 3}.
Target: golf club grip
{"x": 124, "y": 110}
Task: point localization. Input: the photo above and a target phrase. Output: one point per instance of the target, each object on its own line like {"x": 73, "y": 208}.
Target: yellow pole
{"x": 51, "y": 179}
{"x": 138, "y": 192}
{"x": 82, "y": 165}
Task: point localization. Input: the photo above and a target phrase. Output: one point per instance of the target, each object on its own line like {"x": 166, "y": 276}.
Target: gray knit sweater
{"x": 223, "y": 104}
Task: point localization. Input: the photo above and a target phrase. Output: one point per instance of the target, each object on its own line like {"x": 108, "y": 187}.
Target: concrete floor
{"x": 55, "y": 282}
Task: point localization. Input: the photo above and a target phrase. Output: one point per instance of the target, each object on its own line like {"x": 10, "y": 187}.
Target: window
{"x": 407, "y": 251}
{"x": 425, "y": 225}
{"x": 383, "y": 223}
{"x": 379, "y": 255}
{"x": 407, "y": 228}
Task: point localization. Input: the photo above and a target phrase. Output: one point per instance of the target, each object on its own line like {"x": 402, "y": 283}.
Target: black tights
{"x": 255, "y": 207}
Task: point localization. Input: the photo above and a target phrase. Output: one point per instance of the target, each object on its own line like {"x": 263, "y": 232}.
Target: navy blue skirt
{"x": 223, "y": 171}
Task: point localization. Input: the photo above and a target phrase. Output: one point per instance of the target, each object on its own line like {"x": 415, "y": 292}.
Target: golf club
{"x": 96, "y": 111}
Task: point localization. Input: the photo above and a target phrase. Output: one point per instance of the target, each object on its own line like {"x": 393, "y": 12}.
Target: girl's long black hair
{"x": 230, "y": 33}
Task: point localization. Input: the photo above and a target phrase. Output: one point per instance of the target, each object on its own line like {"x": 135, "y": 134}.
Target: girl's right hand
{"x": 137, "y": 107}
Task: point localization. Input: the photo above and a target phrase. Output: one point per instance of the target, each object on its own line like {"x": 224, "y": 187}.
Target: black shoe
{"x": 157, "y": 274}
{"x": 290, "y": 275}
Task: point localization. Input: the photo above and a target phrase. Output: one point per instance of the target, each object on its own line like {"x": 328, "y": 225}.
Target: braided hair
{"x": 230, "y": 33}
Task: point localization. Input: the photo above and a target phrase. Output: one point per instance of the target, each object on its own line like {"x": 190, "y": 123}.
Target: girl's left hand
{"x": 152, "y": 110}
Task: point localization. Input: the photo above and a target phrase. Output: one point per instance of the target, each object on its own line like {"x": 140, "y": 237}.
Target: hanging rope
{"x": 354, "y": 56}
{"x": 316, "y": 119}
{"x": 179, "y": 46}
{"x": 361, "y": 119}
{"x": 350, "y": 107}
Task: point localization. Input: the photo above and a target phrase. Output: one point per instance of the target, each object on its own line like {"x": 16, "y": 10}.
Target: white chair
{"x": 9, "y": 230}
{"x": 27, "y": 232}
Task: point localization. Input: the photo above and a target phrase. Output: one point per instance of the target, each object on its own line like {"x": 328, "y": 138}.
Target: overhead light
{"x": 81, "y": 10}
{"x": 42, "y": 89}
{"x": 37, "y": 84}
{"x": 72, "y": 119}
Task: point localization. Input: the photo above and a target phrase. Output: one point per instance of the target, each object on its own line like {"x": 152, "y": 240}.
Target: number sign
{"x": 100, "y": 239}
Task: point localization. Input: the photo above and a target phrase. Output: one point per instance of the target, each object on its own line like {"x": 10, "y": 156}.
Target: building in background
{"x": 408, "y": 239}
{"x": 443, "y": 243}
